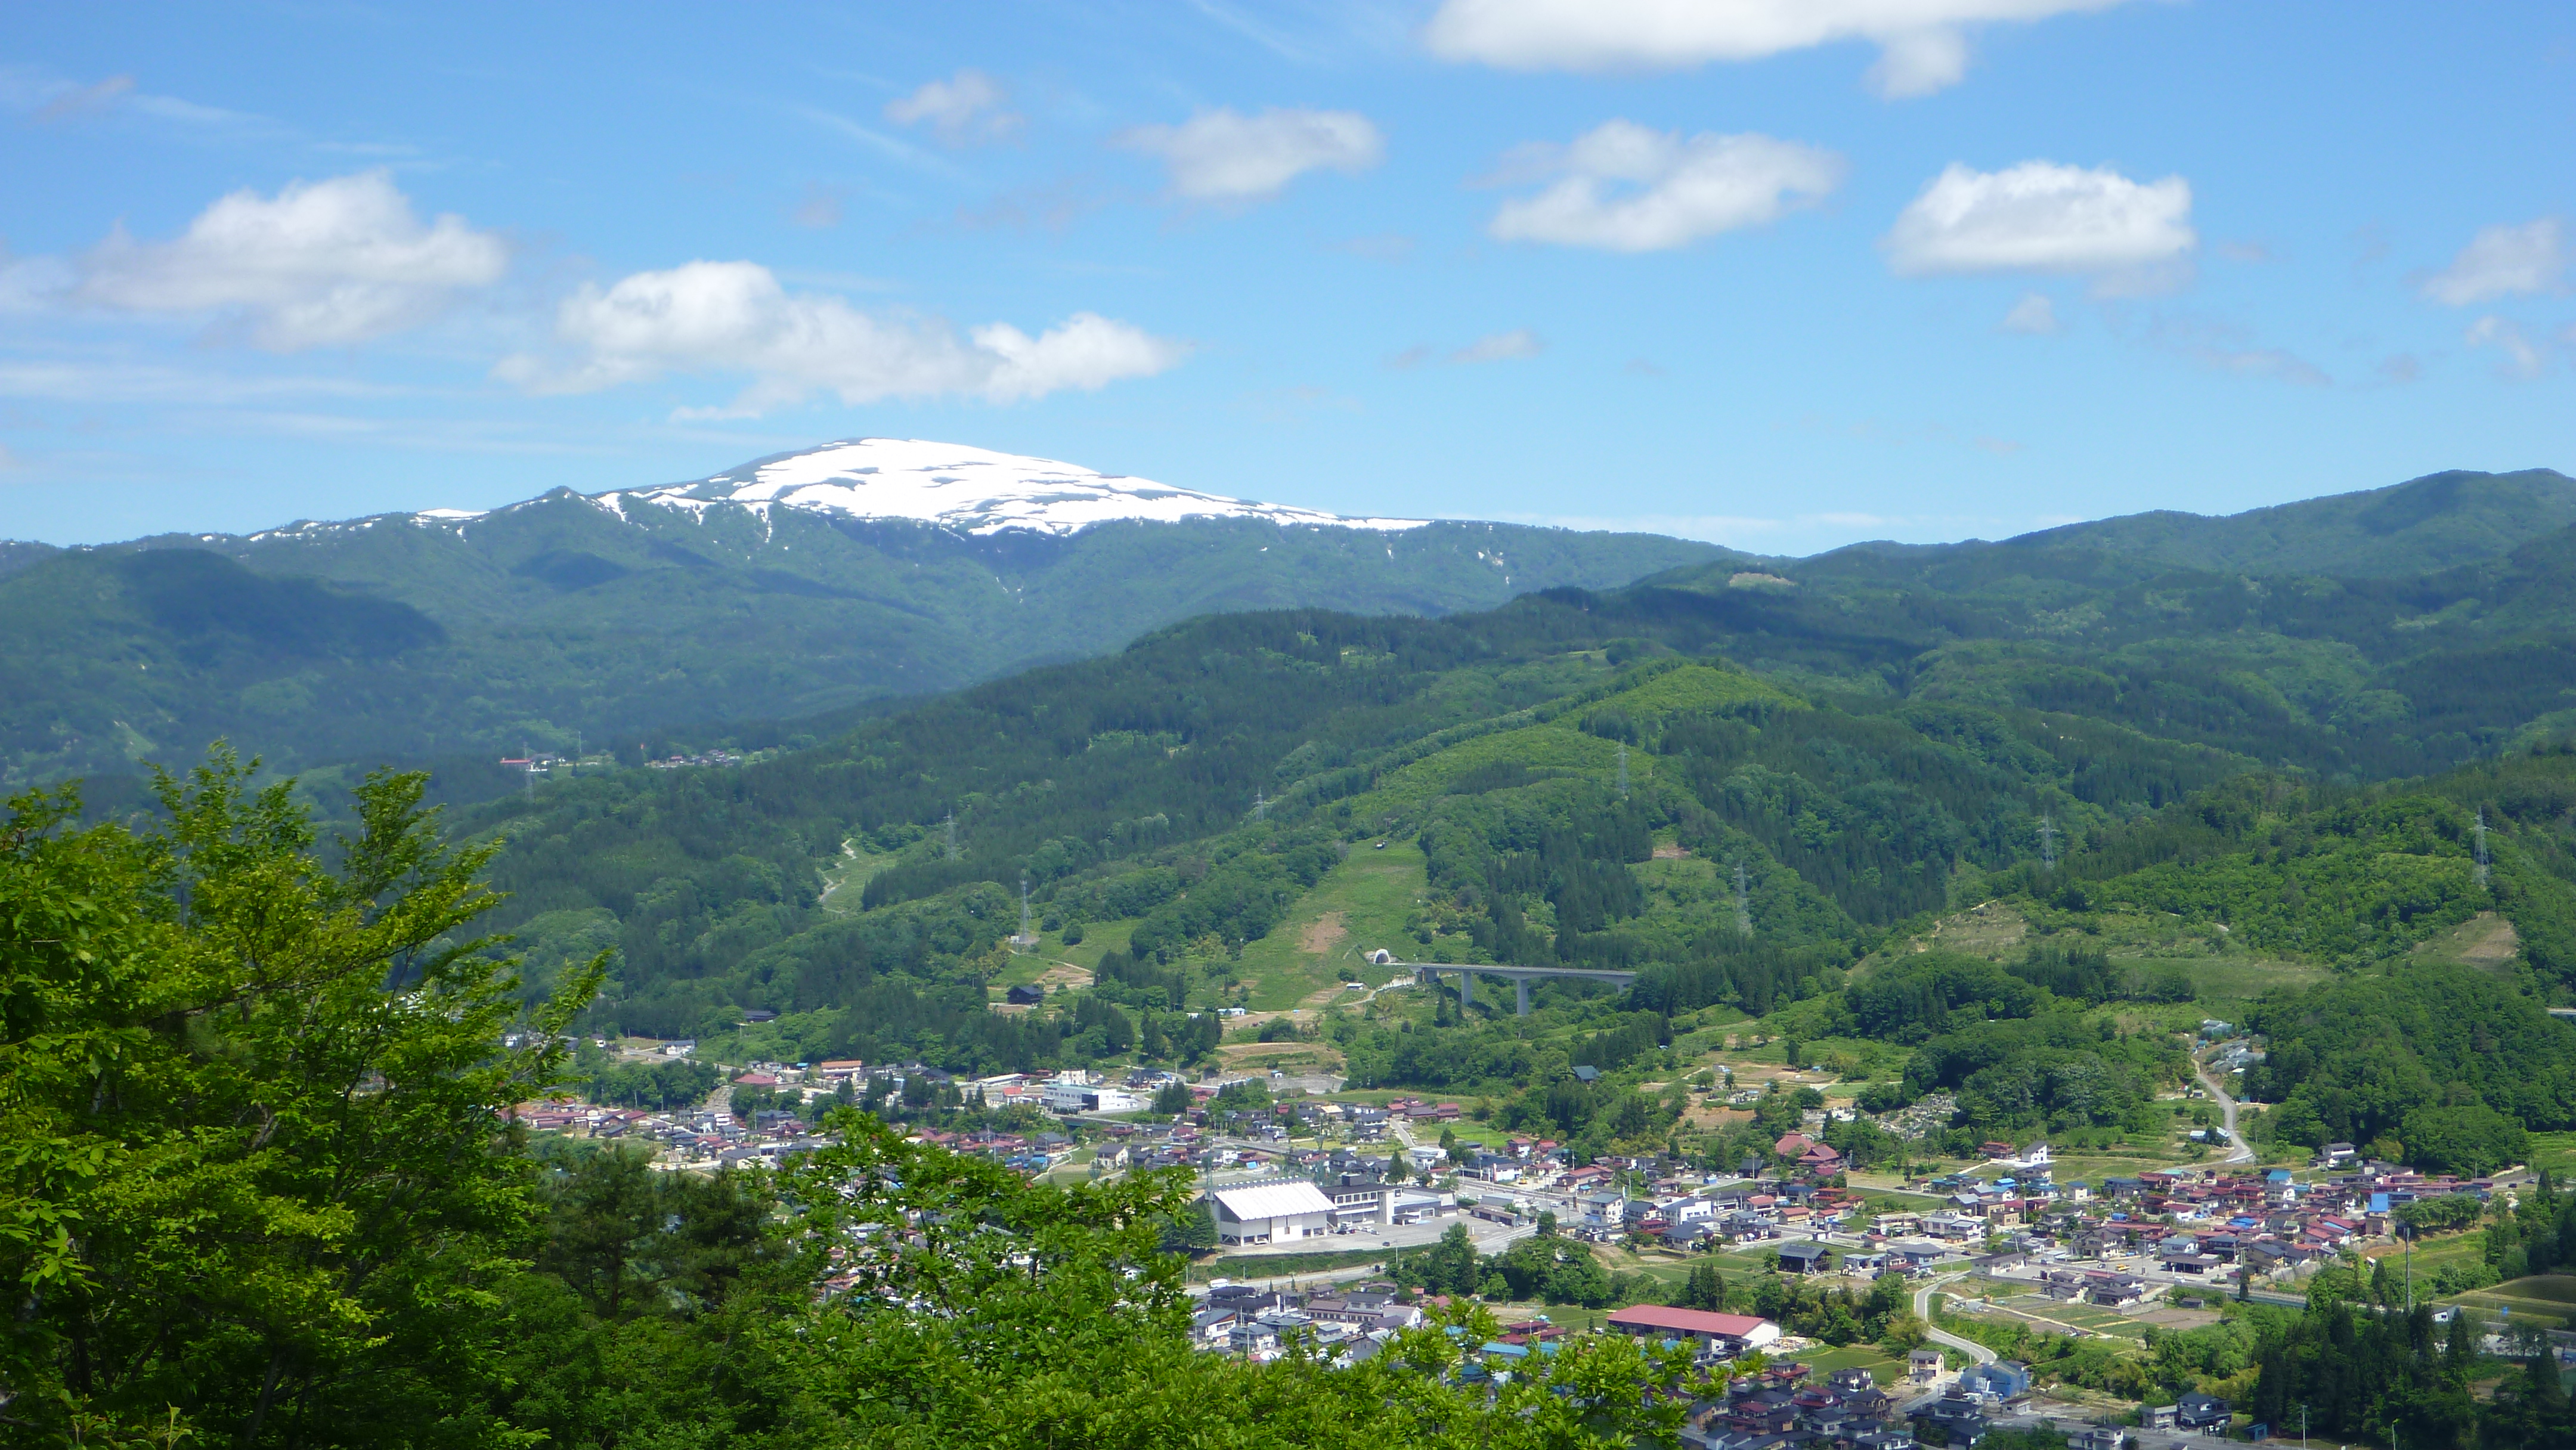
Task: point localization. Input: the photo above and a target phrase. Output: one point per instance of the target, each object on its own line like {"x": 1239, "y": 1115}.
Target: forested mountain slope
{"x": 601, "y": 621}
{"x": 1577, "y": 794}
{"x": 2435, "y": 522}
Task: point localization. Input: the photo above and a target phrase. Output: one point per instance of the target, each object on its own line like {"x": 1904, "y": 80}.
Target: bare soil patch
{"x": 1325, "y": 934}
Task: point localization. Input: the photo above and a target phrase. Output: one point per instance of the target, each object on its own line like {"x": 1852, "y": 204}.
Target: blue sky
{"x": 1779, "y": 273}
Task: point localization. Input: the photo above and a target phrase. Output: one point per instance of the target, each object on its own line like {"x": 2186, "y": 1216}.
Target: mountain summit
{"x": 970, "y": 490}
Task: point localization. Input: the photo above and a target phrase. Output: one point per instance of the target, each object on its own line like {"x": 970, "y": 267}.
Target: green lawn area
{"x": 1360, "y": 905}
{"x": 1097, "y": 938}
{"x": 1885, "y": 1368}
{"x": 2235, "y": 977}
{"x": 2554, "y": 1151}
{"x": 2046, "y": 1313}
{"x": 2548, "y": 1298}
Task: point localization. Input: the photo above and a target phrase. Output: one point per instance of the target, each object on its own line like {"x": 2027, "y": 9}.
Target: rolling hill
{"x": 795, "y": 585}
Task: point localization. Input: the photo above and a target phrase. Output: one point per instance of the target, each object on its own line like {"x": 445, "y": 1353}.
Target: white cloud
{"x": 1225, "y": 156}
{"x": 2521, "y": 358}
{"x": 1625, "y": 188}
{"x": 1923, "y": 47}
{"x": 966, "y": 108}
{"x": 2500, "y": 261}
{"x": 2034, "y": 315}
{"x": 1501, "y": 346}
{"x": 2041, "y": 217}
{"x": 1918, "y": 63}
{"x": 323, "y": 263}
{"x": 734, "y": 317}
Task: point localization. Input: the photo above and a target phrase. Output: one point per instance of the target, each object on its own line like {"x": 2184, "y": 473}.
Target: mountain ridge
{"x": 558, "y": 619}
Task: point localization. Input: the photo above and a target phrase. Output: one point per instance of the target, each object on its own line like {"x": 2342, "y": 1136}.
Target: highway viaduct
{"x": 1520, "y": 977}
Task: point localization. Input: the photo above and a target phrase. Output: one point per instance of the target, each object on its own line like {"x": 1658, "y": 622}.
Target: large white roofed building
{"x": 1266, "y": 1213}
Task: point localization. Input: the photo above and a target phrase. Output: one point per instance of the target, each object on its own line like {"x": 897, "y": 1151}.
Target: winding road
{"x": 2243, "y": 1152}
{"x": 1943, "y": 1337}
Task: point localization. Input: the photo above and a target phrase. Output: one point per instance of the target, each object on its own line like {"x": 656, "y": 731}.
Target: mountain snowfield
{"x": 970, "y": 490}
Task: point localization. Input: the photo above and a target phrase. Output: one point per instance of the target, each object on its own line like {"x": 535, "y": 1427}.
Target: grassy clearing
{"x": 2238, "y": 978}
{"x": 2485, "y": 941}
{"x": 2555, "y": 1152}
{"x": 2548, "y": 1299}
{"x": 1360, "y": 905}
{"x": 1272, "y": 1266}
{"x": 1883, "y": 1367}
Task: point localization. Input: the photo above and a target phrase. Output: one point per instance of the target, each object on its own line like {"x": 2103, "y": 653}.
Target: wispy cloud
{"x": 2523, "y": 360}
{"x": 2035, "y": 315}
{"x": 1226, "y": 157}
{"x": 892, "y": 148}
{"x": 97, "y": 96}
{"x": 966, "y": 109}
{"x": 2504, "y": 261}
{"x": 1519, "y": 342}
{"x": 1623, "y": 187}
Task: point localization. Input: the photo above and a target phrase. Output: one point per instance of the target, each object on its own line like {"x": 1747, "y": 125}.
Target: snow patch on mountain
{"x": 971, "y": 490}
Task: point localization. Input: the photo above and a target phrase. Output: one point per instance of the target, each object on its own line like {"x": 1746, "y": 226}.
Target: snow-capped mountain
{"x": 970, "y": 490}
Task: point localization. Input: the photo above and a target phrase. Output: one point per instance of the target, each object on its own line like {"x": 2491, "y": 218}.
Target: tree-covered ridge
{"x": 2437, "y": 1064}
{"x": 559, "y": 622}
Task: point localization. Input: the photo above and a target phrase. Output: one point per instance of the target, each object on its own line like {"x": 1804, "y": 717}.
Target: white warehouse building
{"x": 1269, "y": 1213}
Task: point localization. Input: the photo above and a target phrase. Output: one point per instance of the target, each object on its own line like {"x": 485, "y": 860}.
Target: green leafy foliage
{"x": 2465, "y": 1057}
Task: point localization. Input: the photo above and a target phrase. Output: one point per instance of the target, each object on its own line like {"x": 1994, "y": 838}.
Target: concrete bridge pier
{"x": 1521, "y": 985}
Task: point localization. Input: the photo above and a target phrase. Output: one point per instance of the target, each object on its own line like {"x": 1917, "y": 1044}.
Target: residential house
{"x": 2207, "y": 1414}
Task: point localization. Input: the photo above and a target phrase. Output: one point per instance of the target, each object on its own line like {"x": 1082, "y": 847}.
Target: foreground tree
{"x": 254, "y": 1138}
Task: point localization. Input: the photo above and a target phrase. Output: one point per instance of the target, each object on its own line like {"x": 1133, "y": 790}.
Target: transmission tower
{"x": 1623, "y": 770}
{"x": 2481, "y": 871}
{"x": 952, "y": 835}
{"x": 1743, "y": 906}
{"x": 2047, "y": 842}
{"x": 1260, "y": 806}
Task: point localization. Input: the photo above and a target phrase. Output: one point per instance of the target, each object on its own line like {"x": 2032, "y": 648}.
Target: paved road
{"x": 1943, "y": 1337}
{"x": 2243, "y": 1151}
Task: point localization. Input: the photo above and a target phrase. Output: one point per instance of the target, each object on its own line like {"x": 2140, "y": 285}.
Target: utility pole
{"x": 2047, "y": 842}
{"x": 2481, "y": 872}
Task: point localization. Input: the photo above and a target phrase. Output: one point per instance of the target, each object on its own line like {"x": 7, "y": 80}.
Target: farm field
{"x": 2051, "y": 1314}
{"x": 2549, "y": 1299}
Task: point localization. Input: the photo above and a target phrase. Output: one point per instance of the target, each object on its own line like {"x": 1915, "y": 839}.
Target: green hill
{"x": 2421, "y": 526}
{"x": 558, "y": 622}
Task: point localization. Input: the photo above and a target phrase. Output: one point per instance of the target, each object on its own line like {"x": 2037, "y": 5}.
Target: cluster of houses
{"x": 697, "y": 1136}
